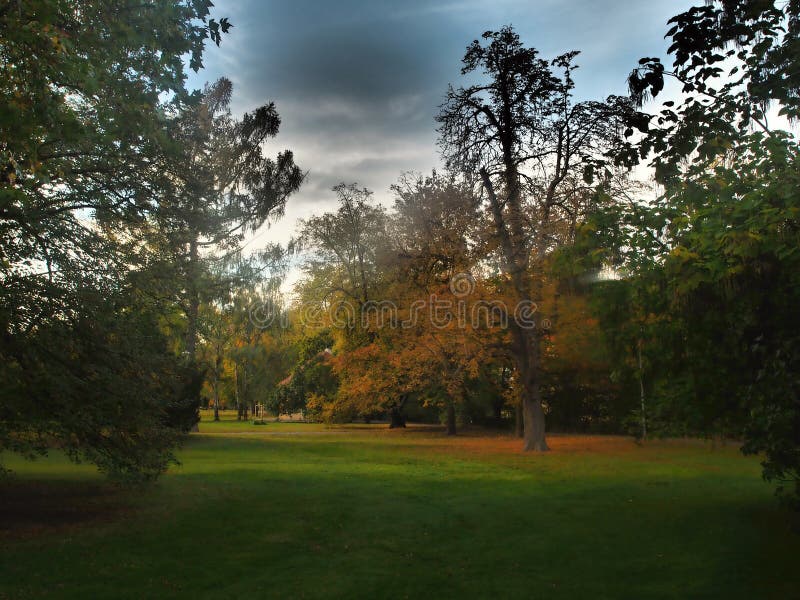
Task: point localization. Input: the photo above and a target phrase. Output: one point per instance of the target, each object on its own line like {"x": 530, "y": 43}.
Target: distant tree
{"x": 312, "y": 384}
{"x": 218, "y": 337}
{"x": 434, "y": 253}
{"x": 342, "y": 248}
{"x": 262, "y": 352}
{"x": 376, "y": 379}
{"x": 344, "y": 277}
{"x": 424, "y": 346}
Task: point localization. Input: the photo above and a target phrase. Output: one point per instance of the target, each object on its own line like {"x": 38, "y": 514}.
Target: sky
{"x": 358, "y": 83}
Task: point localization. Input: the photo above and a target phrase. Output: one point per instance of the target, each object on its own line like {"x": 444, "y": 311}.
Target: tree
{"x": 83, "y": 154}
{"x": 223, "y": 188}
{"x": 728, "y": 222}
{"x": 343, "y": 247}
{"x": 262, "y": 353}
{"x": 218, "y": 336}
{"x": 422, "y": 342}
{"x": 433, "y": 253}
{"x": 344, "y": 280}
{"x": 312, "y": 384}
{"x": 533, "y": 149}
{"x": 735, "y": 60}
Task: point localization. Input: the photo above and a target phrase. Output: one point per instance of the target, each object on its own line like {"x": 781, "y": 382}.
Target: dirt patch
{"x": 33, "y": 508}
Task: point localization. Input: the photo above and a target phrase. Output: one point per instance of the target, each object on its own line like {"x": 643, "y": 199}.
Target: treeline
{"x": 531, "y": 281}
{"x": 401, "y": 314}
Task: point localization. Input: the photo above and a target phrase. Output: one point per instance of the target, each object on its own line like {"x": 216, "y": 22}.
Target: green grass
{"x": 372, "y": 513}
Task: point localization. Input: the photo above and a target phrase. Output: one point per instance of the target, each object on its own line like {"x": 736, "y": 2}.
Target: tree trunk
{"x": 244, "y": 393}
{"x": 236, "y": 392}
{"x": 451, "y": 419}
{"x": 497, "y": 412}
{"x": 519, "y": 428}
{"x": 216, "y": 402}
{"x": 516, "y": 258}
{"x": 641, "y": 392}
{"x": 534, "y": 426}
{"x": 216, "y": 389}
{"x": 396, "y": 417}
{"x": 532, "y": 411}
{"x": 192, "y": 311}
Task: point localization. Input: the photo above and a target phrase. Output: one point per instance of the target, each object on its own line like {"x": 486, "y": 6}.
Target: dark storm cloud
{"x": 358, "y": 82}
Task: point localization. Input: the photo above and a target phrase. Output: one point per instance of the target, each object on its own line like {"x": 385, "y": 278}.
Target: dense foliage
{"x": 712, "y": 262}
{"x": 95, "y": 133}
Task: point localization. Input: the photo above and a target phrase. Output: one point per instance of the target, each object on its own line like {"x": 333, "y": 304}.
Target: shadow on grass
{"x": 360, "y": 518}
{"x": 30, "y": 508}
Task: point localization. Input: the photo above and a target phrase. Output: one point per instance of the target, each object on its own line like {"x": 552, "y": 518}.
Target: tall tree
{"x": 83, "y": 154}
{"x": 533, "y": 149}
{"x": 344, "y": 280}
{"x": 223, "y": 188}
{"x": 728, "y": 220}
{"x": 433, "y": 256}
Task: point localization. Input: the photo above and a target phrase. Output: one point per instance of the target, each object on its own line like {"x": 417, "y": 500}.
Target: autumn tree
{"x": 343, "y": 280}
{"x": 434, "y": 256}
{"x": 533, "y": 148}
{"x": 427, "y": 345}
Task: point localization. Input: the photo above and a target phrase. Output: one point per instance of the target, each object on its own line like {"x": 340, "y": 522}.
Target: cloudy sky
{"x": 358, "y": 82}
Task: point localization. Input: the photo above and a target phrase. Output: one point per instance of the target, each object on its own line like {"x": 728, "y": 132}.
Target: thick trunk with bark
{"x": 396, "y": 418}
{"x": 533, "y": 415}
{"x": 216, "y": 401}
{"x": 516, "y": 256}
{"x": 532, "y": 411}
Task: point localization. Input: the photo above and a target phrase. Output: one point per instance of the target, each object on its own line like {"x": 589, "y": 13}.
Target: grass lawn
{"x": 298, "y": 511}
